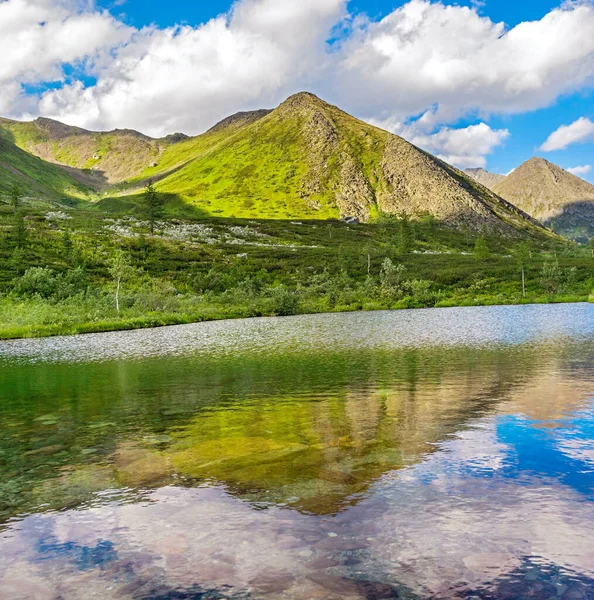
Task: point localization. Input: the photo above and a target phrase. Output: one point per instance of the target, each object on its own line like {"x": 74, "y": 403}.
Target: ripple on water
{"x": 413, "y": 454}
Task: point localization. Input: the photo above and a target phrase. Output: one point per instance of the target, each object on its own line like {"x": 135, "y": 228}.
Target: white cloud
{"x": 462, "y": 147}
{"x": 38, "y": 36}
{"x": 582, "y": 170}
{"x": 423, "y": 58}
{"x": 186, "y": 78}
{"x": 426, "y": 54}
{"x": 467, "y": 147}
{"x": 579, "y": 131}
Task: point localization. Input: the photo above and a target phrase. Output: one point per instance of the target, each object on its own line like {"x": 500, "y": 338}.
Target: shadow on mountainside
{"x": 576, "y": 221}
{"x": 174, "y": 206}
{"x": 42, "y": 178}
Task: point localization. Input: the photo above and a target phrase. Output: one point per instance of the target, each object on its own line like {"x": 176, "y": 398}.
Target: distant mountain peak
{"x": 240, "y": 119}
{"x": 56, "y": 129}
{"x": 484, "y": 177}
{"x": 548, "y": 192}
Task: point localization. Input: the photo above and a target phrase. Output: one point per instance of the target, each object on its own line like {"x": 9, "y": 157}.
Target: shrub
{"x": 37, "y": 281}
{"x": 46, "y": 283}
{"x": 284, "y": 302}
{"x": 391, "y": 278}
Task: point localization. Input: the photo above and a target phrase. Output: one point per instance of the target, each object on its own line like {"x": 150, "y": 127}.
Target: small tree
{"x": 551, "y": 277}
{"x": 121, "y": 271}
{"x": 368, "y": 250}
{"x": 481, "y": 250}
{"x": 68, "y": 246}
{"x": 16, "y": 197}
{"x": 521, "y": 256}
{"x": 405, "y": 235}
{"x": 592, "y": 245}
{"x": 153, "y": 205}
{"x": 391, "y": 277}
{"x": 20, "y": 232}
{"x": 17, "y": 261}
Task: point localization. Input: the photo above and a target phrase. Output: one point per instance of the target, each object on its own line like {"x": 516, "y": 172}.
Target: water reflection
{"x": 319, "y": 472}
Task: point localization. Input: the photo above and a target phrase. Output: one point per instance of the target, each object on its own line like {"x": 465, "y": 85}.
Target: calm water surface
{"x": 446, "y": 453}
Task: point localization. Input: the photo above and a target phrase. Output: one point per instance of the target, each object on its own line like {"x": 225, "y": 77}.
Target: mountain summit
{"x": 309, "y": 159}
{"x": 552, "y": 195}
{"x": 489, "y": 180}
{"x": 305, "y": 159}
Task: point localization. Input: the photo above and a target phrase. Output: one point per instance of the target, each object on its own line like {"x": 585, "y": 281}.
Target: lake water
{"x": 444, "y": 453}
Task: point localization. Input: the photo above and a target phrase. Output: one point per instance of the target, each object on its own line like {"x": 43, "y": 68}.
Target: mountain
{"x": 308, "y": 159}
{"x": 37, "y": 178}
{"x": 304, "y": 159}
{"x": 489, "y": 180}
{"x": 108, "y": 157}
{"x": 552, "y": 195}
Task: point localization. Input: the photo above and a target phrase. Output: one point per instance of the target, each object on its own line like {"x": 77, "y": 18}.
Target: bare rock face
{"x": 484, "y": 177}
{"x": 354, "y": 196}
{"x": 543, "y": 189}
{"x": 365, "y": 168}
{"x": 417, "y": 183}
{"x": 552, "y": 195}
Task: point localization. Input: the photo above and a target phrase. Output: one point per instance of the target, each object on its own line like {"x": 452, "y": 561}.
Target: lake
{"x": 442, "y": 453}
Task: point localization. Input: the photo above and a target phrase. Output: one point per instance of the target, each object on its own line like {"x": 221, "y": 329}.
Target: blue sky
{"x": 172, "y": 12}
{"x": 441, "y": 74}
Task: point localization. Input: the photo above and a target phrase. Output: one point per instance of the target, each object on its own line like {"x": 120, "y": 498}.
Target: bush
{"x": 284, "y": 302}
{"x": 391, "y": 278}
{"x": 38, "y": 281}
{"x": 47, "y": 283}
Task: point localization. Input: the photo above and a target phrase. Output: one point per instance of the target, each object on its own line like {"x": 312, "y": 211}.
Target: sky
{"x": 479, "y": 83}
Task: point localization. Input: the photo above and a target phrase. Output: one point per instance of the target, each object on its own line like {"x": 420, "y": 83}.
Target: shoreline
{"x": 167, "y": 320}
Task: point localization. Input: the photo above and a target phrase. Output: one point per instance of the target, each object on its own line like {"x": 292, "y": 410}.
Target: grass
{"x": 206, "y": 268}
{"x": 36, "y": 177}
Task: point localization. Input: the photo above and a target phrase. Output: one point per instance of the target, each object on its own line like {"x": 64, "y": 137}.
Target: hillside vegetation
{"x": 304, "y": 160}
{"x": 308, "y": 159}
{"x": 72, "y": 271}
{"x": 102, "y": 159}
{"x": 35, "y": 177}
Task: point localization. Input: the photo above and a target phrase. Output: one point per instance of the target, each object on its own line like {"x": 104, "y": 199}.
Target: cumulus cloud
{"x": 579, "y": 131}
{"x": 424, "y": 58}
{"x": 467, "y": 147}
{"x": 425, "y": 53}
{"x": 185, "y": 78}
{"x": 581, "y": 170}
{"x": 37, "y": 37}
{"x": 463, "y": 147}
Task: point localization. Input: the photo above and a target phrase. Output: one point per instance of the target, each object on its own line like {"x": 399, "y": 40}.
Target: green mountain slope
{"x": 110, "y": 157}
{"x": 37, "y": 178}
{"x": 304, "y": 160}
{"x": 308, "y": 159}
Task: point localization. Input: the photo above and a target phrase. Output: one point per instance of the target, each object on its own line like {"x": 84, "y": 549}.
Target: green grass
{"x": 35, "y": 177}
{"x": 230, "y": 268}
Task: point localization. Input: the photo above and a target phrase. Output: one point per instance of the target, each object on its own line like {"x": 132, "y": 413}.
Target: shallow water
{"x": 445, "y": 453}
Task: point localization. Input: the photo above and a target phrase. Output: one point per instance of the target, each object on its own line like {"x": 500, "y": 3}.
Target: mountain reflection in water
{"x": 305, "y": 469}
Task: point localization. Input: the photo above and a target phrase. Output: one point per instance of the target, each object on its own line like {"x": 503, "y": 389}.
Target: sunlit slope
{"x": 181, "y": 152}
{"x": 305, "y": 159}
{"x": 308, "y": 159}
{"x": 35, "y": 177}
{"x": 108, "y": 157}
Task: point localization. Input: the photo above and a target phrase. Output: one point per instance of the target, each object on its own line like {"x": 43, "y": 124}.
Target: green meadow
{"x": 61, "y": 269}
